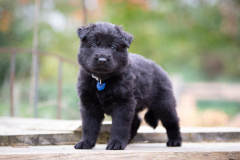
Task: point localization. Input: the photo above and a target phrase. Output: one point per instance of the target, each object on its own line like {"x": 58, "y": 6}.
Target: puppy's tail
{"x": 151, "y": 118}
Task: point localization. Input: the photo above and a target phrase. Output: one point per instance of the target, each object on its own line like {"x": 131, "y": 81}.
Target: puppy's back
{"x": 147, "y": 67}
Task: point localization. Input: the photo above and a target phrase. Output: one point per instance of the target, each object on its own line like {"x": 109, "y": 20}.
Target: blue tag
{"x": 100, "y": 87}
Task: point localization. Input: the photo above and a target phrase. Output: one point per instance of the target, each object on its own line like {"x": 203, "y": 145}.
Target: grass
{"x": 47, "y": 106}
{"x": 231, "y": 108}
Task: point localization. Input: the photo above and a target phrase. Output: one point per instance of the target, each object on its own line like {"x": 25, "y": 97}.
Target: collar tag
{"x": 101, "y": 87}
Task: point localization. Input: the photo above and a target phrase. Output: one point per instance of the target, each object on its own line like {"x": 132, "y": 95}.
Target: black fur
{"x": 135, "y": 125}
{"x": 132, "y": 84}
{"x": 151, "y": 118}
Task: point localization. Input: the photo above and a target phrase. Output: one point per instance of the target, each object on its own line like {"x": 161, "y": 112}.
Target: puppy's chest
{"x": 108, "y": 95}
{"x": 115, "y": 93}
{"x": 105, "y": 100}
{"x": 111, "y": 97}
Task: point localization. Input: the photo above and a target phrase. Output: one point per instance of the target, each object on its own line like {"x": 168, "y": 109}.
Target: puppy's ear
{"x": 127, "y": 37}
{"x": 84, "y": 30}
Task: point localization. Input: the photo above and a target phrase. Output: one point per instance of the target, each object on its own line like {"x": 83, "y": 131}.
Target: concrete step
{"x": 25, "y": 132}
{"x": 153, "y": 151}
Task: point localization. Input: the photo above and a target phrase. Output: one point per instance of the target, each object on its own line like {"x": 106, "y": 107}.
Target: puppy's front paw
{"x": 174, "y": 143}
{"x": 116, "y": 145}
{"x": 84, "y": 145}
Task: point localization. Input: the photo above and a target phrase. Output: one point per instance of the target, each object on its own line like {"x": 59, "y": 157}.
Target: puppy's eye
{"x": 113, "y": 48}
{"x": 93, "y": 46}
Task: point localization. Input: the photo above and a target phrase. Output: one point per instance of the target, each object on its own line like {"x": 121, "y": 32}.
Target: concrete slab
{"x": 36, "y": 124}
{"x": 196, "y": 151}
{"x": 25, "y": 131}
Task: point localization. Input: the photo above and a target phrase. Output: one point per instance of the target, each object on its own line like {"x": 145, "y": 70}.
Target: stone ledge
{"x": 189, "y": 134}
{"x": 27, "y": 132}
{"x": 197, "y": 151}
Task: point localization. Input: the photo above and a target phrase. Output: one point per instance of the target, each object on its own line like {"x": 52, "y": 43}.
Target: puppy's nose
{"x": 102, "y": 60}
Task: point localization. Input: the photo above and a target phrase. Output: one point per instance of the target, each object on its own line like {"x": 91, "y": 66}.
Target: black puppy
{"x": 120, "y": 84}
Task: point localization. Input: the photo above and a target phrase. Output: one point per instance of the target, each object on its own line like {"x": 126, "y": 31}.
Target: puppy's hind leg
{"x": 166, "y": 112}
{"x": 135, "y": 125}
{"x": 151, "y": 118}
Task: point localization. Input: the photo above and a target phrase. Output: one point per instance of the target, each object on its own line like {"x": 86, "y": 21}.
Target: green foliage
{"x": 47, "y": 100}
{"x": 229, "y": 107}
{"x": 180, "y": 37}
{"x": 183, "y": 38}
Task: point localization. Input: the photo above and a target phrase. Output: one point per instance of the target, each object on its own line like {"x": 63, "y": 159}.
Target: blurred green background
{"x": 198, "y": 40}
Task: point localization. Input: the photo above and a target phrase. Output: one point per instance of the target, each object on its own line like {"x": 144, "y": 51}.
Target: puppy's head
{"x": 103, "y": 48}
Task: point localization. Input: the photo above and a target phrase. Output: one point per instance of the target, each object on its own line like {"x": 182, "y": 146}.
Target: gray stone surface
{"x": 31, "y": 132}
{"x": 153, "y": 151}
{"x": 189, "y": 134}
